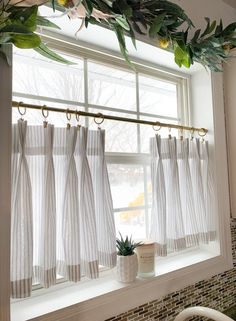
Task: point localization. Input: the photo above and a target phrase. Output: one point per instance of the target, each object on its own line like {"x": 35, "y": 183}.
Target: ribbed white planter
{"x": 127, "y": 268}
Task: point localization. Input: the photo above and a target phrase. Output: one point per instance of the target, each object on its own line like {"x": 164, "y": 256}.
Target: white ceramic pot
{"x": 127, "y": 268}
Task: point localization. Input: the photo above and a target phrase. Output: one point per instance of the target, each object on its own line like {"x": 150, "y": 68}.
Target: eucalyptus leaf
{"x": 25, "y": 17}
{"x": 88, "y": 6}
{"x": 41, "y": 21}
{"x": 182, "y": 57}
{"x": 26, "y": 41}
{"x": 16, "y": 29}
{"x": 122, "y": 22}
{"x": 43, "y": 50}
{"x": 156, "y": 25}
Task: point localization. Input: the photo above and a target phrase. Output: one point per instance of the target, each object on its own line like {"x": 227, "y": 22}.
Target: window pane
{"x": 127, "y": 185}
{"x": 35, "y": 75}
{"x": 157, "y": 97}
{"x": 131, "y": 223}
{"x": 121, "y": 137}
{"x": 111, "y": 87}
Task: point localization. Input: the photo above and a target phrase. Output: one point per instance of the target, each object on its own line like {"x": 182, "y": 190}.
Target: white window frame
{"x": 124, "y": 297}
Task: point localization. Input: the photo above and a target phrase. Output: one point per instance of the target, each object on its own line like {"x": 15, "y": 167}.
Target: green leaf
{"x": 182, "y": 57}
{"x": 26, "y": 41}
{"x": 25, "y": 17}
{"x": 16, "y": 29}
{"x": 219, "y": 28}
{"x": 88, "y": 6}
{"x": 209, "y": 28}
{"x": 124, "y": 8}
{"x": 122, "y": 22}
{"x": 132, "y": 35}
{"x": 53, "y": 5}
{"x": 230, "y": 29}
{"x": 41, "y": 21}
{"x": 196, "y": 35}
{"x": 43, "y": 50}
{"x": 156, "y": 25}
{"x": 121, "y": 39}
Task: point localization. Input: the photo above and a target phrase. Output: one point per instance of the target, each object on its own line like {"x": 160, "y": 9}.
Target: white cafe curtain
{"x": 62, "y": 213}
{"x": 183, "y": 202}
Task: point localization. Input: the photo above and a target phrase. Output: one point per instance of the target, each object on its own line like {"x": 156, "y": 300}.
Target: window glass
{"x": 35, "y": 75}
{"x": 111, "y": 87}
{"x": 121, "y": 137}
{"x": 131, "y": 223}
{"x": 157, "y": 97}
{"x": 148, "y": 131}
{"x": 127, "y": 185}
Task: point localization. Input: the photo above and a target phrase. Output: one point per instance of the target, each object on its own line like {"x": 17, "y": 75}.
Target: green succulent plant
{"x": 126, "y": 246}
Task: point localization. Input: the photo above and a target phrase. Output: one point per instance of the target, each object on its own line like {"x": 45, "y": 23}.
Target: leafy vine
{"x": 160, "y": 20}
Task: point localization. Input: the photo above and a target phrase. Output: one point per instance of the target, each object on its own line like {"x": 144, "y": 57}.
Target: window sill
{"x": 105, "y": 297}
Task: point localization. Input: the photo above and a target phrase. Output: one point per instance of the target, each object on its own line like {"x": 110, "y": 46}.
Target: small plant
{"x": 126, "y": 246}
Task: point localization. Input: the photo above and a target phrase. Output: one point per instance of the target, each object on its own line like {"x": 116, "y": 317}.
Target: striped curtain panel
{"x": 61, "y": 206}
{"x": 183, "y": 202}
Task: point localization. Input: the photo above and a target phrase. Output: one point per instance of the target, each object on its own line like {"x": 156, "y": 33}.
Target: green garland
{"x": 160, "y": 20}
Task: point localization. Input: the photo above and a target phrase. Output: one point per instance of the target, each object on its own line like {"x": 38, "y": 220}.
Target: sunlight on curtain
{"x": 183, "y": 207}
{"x": 68, "y": 200}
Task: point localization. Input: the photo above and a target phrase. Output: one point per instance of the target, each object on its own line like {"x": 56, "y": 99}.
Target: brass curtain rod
{"x": 103, "y": 116}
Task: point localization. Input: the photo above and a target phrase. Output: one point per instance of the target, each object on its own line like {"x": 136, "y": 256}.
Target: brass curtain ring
{"x": 169, "y": 129}
{"x": 22, "y": 113}
{"x": 68, "y": 114}
{"x": 181, "y": 133}
{"x": 202, "y": 134}
{"x": 45, "y": 112}
{"x": 77, "y": 115}
{"x": 154, "y": 127}
{"x": 100, "y": 117}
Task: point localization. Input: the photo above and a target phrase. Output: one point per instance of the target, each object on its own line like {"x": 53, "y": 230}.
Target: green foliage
{"x": 43, "y": 50}
{"x": 157, "y": 19}
{"x": 126, "y": 246}
{"x": 18, "y": 26}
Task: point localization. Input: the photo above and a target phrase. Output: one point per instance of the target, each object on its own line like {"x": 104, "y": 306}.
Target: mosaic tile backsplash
{"x": 218, "y": 292}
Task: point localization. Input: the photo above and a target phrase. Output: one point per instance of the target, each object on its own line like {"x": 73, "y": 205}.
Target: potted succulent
{"x": 127, "y": 262}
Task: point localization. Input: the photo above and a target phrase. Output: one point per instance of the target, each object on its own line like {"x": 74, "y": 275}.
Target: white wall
{"x": 230, "y": 113}
{"x": 215, "y": 9}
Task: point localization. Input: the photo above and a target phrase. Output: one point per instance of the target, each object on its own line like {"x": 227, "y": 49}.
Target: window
{"x": 92, "y": 86}
{"x": 87, "y": 298}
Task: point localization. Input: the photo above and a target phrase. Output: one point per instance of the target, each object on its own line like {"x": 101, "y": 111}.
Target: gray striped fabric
{"x": 106, "y": 234}
{"x": 21, "y": 216}
{"x": 58, "y": 206}
{"x": 183, "y": 208}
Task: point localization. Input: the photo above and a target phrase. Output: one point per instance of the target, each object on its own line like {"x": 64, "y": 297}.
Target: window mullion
{"x": 86, "y": 90}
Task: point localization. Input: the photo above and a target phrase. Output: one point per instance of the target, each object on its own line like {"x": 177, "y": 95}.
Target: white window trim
{"x": 5, "y": 184}
{"x": 118, "y": 300}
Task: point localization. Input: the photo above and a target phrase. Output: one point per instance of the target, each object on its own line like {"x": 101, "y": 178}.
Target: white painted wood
{"x": 230, "y": 114}
{"x": 5, "y": 188}
{"x": 48, "y": 307}
{"x": 202, "y": 312}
